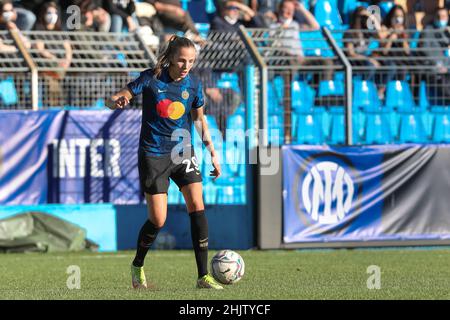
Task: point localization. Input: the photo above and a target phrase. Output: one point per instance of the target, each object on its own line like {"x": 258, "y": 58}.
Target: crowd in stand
{"x": 164, "y": 17}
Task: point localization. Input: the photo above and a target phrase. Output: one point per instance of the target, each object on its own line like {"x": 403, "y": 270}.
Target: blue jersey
{"x": 166, "y": 107}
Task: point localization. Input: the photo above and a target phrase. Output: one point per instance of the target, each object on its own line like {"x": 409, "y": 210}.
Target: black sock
{"x": 146, "y": 237}
{"x": 199, "y": 233}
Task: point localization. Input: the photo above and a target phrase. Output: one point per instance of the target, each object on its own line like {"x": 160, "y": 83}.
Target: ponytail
{"x": 169, "y": 50}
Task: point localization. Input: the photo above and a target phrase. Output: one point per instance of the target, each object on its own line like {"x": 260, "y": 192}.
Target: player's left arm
{"x": 202, "y": 129}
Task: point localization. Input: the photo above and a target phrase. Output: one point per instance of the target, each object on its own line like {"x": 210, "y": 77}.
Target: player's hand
{"x": 119, "y": 103}
{"x": 215, "y": 162}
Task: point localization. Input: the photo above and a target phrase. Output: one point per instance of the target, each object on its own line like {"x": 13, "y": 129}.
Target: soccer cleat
{"x": 208, "y": 282}
{"x": 138, "y": 278}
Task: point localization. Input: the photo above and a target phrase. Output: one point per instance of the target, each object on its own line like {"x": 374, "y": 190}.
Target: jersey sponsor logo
{"x": 167, "y": 108}
{"x": 327, "y": 192}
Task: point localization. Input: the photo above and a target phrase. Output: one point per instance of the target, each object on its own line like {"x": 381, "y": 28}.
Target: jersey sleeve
{"x": 137, "y": 85}
{"x": 199, "y": 99}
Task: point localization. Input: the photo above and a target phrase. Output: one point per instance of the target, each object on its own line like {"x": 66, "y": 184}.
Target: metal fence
{"x": 401, "y": 85}
{"x": 302, "y": 76}
{"x": 15, "y": 76}
{"x": 71, "y": 69}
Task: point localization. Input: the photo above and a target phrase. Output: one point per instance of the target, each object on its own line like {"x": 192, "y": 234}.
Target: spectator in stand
{"x": 121, "y": 11}
{"x": 363, "y": 28}
{"x": 395, "y": 43}
{"x": 435, "y": 37}
{"x": 8, "y": 17}
{"x": 174, "y": 19}
{"x": 26, "y": 13}
{"x": 93, "y": 16}
{"x": 232, "y": 14}
{"x": 49, "y": 19}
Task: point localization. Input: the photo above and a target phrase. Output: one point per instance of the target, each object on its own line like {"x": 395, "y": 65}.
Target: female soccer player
{"x": 172, "y": 98}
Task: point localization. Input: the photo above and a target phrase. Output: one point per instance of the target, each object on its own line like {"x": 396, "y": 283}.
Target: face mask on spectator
{"x": 398, "y": 20}
{"x": 51, "y": 18}
{"x": 230, "y": 20}
{"x": 441, "y": 23}
{"x": 7, "y": 15}
{"x": 285, "y": 21}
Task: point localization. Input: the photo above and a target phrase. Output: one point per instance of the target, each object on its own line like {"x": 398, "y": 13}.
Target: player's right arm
{"x": 120, "y": 99}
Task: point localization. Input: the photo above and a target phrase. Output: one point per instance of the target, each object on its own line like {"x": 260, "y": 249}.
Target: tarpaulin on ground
{"x": 368, "y": 193}
{"x": 41, "y": 232}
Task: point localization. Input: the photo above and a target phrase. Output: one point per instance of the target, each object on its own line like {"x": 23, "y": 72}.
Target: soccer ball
{"x": 227, "y": 267}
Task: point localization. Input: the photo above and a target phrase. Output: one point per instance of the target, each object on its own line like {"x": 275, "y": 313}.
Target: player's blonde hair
{"x": 171, "y": 48}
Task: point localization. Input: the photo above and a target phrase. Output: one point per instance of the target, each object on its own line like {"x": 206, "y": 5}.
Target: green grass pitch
{"x": 282, "y": 274}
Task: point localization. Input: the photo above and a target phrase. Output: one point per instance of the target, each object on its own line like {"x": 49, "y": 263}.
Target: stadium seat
{"x": 312, "y": 43}
{"x": 377, "y": 128}
{"x": 346, "y": 8}
{"x": 441, "y": 125}
{"x": 229, "y": 80}
{"x": 327, "y": 14}
{"x": 8, "y": 93}
{"x": 230, "y": 186}
{"x": 275, "y": 95}
{"x": 365, "y": 96}
{"x": 399, "y": 96}
{"x": 276, "y": 121}
{"x": 385, "y": 7}
{"x": 371, "y": 120}
{"x": 308, "y": 127}
{"x": 411, "y": 128}
{"x": 424, "y": 107}
{"x": 302, "y": 96}
{"x": 331, "y": 88}
{"x": 337, "y": 125}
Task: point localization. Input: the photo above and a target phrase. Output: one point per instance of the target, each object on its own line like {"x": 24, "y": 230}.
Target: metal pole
{"x": 29, "y": 60}
{"x": 258, "y": 59}
{"x": 348, "y": 85}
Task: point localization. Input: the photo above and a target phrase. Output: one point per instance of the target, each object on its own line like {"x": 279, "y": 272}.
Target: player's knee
{"x": 196, "y": 205}
{"x": 158, "y": 222}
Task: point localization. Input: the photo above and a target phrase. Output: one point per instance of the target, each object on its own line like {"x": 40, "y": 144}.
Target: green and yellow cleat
{"x": 208, "y": 282}
{"x": 138, "y": 278}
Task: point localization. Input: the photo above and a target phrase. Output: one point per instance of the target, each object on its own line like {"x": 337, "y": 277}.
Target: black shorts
{"x": 155, "y": 171}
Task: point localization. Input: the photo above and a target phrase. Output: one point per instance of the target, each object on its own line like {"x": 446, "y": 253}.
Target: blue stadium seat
{"x": 275, "y": 95}
{"x": 441, "y": 125}
{"x": 231, "y": 185}
{"x": 331, "y": 88}
{"x": 276, "y": 121}
{"x": 302, "y": 96}
{"x": 377, "y": 128}
{"x": 365, "y": 96}
{"x": 229, "y": 80}
{"x": 337, "y": 125}
{"x": 399, "y": 96}
{"x": 385, "y": 7}
{"x": 8, "y": 93}
{"x": 411, "y": 128}
{"x": 312, "y": 43}
{"x": 308, "y": 127}
{"x": 424, "y": 107}
{"x": 346, "y": 8}
{"x": 327, "y": 14}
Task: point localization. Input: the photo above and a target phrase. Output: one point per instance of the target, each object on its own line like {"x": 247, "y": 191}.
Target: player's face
{"x": 182, "y": 62}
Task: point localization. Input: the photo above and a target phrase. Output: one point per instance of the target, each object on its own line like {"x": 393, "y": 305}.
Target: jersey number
{"x": 189, "y": 163}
